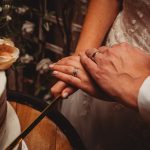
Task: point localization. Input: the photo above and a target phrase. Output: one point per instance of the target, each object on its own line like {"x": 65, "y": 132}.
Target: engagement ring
{"x": 75, "y": 72}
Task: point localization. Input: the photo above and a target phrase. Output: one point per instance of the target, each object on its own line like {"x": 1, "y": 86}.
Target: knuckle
{"x": 124, "y": 45}
{"x": 90, "y": 51}
{"x": 53, "y": 91}
{"x": 109, "y": 51}
{"x": 103, "y": 60}
{"x": 84, "y": 62}
{"x": 67, "y": 69}
{"x": 69, "y": 62}
{"x": 70, "y": 79}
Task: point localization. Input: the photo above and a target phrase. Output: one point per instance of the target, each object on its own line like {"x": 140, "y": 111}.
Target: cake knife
{"x": 32, "y": 125}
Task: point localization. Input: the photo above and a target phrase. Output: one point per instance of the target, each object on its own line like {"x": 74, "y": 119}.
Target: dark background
{"x": 40, "y": 29}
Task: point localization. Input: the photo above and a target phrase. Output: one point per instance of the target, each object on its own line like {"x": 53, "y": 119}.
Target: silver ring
{"x": 94, "y": 54}
{"x": 75, "y": 72}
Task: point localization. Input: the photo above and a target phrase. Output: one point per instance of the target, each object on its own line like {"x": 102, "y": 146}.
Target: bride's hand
{"x": 62, "y": 88}
{"x": 70, "y": 71}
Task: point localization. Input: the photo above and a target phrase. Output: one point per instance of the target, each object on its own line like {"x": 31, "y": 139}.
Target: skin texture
{"x": 63, "y": 71}
{"x": 96, "y": 25}
{"x": 120, "y": 71}
{"x": 64, "y": 68}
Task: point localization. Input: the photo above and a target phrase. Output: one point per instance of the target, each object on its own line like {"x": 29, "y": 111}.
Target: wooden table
{"x": 45, "y": 136}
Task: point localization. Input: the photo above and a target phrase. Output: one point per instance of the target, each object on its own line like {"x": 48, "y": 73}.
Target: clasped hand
{"x": 70, "y": 71}
{"x": 119, "y": 71}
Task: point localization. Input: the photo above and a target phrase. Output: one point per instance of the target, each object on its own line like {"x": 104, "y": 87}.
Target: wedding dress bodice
{"x": 132, "y": 25}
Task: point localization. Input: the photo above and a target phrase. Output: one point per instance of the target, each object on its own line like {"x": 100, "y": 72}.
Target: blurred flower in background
{"x": 8, "y": 18}
{"x": 26, "y": 59}
{"x": 22, "y": 10}
{"x": 39, "y": 28}
{"x": 1, "y": 9}
{"x": 43, "y": 65}
{"x": 27, "y": 28}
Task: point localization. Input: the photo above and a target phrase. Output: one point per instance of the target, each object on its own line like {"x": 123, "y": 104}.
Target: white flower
{"x": 22, "y": 10}
{"x": 7, "y": 7}
{"x": 8, "y": 18}
{"x": 43, "y": 65}
{"x": 7, "y": 42}
{"x": 9, "y": 55}
{"x": 1, "y": 9}
{"x": 26, "y": 59}
{"x": 27, "y": 27}
{"x": 47, "y": 96}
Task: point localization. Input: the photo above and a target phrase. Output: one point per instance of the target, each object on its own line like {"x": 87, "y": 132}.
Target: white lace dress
{"x": 106, "y": 125}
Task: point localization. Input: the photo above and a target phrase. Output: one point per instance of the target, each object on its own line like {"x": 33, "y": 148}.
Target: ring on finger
{"x": 94, "y": 55}
{"x": 75, "y": 72}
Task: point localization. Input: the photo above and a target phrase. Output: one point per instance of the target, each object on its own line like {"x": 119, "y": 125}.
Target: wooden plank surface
{"x": 45, "y": 136}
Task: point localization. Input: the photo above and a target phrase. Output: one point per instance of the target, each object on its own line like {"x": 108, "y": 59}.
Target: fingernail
{"x": 54, "y": 72}
{"x": 51, "y": 65}
{"x": 65, "y": 95}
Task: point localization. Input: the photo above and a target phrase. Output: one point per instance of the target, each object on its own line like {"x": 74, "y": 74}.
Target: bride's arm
{"x": 100, "y": 16}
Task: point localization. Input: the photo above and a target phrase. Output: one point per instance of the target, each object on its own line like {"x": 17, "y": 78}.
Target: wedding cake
{"x": 9, "y": 123}
{"x": 3, "y": 104}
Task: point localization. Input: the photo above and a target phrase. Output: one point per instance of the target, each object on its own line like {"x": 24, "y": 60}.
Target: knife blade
{"x": 18, "y": 139}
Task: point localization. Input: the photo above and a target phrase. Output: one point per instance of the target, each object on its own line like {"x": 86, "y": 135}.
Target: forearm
{"x": 99, "y": 18}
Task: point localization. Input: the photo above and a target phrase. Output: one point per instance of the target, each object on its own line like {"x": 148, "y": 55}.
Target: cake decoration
{"x": 8, "y": 53}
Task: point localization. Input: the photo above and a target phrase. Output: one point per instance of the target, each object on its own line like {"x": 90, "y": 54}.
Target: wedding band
{"x": 94, "y": 54}
{"x": 75, "y": 72}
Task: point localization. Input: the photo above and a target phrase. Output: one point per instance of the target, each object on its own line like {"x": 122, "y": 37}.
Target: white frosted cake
{"x": 3, "y": 103}
{"x": 9, "y": 122}
{"x": 8, "y": 54}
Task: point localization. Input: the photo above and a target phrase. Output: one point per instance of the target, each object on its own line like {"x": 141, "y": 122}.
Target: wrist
{"x": 137, "y": 85}
{"x": 130, "y": 95}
